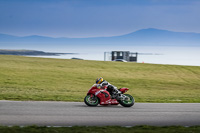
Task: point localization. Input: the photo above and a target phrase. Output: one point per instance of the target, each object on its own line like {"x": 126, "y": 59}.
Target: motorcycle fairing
{"x": 103, "y": 95}
{"x": 110, "y": 101}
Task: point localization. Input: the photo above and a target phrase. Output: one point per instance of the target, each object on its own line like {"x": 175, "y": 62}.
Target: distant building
{"x": 123, "y": 55}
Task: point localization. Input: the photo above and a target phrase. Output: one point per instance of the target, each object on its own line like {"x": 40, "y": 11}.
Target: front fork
{"x": 92, "y": 96}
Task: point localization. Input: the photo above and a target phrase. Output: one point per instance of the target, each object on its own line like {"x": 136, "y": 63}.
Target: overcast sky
{"x": 96, "y": 18}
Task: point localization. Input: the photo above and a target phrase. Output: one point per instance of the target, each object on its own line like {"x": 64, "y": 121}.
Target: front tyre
{"x": 128, "y": 102}
{"x": 91, "y": 101}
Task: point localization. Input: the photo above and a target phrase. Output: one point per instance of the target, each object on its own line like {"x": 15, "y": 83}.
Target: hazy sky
{"x": 96, "y": 18}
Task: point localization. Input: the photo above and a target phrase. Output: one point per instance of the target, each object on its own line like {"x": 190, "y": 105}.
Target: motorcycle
{"x": 101, "y": 96}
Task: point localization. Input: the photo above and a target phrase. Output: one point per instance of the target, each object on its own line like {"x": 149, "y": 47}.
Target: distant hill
{"x": 144, "y": 37}
{"x": 28, "y": 52}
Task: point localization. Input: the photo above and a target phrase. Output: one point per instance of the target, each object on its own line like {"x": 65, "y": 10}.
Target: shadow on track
{"x": 100, "y": 106}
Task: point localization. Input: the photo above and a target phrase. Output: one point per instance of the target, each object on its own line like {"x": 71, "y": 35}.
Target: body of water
{"x": 189, "y": 56}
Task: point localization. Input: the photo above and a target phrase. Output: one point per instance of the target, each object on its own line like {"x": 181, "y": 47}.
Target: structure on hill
{"x": 120, "y": 55}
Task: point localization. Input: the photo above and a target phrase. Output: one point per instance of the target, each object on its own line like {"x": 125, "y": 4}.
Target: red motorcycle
{"x": 101, "y": 96}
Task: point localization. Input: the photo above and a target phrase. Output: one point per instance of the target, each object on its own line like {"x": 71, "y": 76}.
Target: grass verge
{"x": 41, "y": 79}
{"x": 106, "y": 129}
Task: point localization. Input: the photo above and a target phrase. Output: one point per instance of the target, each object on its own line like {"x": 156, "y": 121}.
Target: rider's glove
{"x": 99, "y": 86}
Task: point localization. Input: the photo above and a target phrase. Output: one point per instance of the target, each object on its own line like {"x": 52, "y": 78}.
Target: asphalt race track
{"x": 23, "y": 113}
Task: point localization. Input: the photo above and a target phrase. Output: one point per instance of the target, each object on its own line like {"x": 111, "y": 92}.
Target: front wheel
{"x": 91, "y": 101}
{"x": 128, "y": 102}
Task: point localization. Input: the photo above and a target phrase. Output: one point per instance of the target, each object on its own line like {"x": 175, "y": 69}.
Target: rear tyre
{"x": 91, "y": 101}
{"x": 128, "y": 102}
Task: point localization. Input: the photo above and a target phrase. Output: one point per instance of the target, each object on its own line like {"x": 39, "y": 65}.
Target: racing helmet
{"x": 99, "y": 80}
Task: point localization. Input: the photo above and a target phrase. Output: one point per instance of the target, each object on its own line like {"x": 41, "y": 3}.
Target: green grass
{"x": 106, "y": 129}
{"x": 29, "y": 78}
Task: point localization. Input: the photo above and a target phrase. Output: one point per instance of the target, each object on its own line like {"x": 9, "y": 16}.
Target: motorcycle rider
{"x": 110, "y": 88}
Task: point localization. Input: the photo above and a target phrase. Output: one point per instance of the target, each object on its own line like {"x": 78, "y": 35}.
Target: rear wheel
{"x": 128, "y": 102}
{"x": 91, "y": 101}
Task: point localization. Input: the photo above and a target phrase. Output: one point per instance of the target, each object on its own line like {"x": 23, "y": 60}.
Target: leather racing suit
{"x": 110, "y": 88}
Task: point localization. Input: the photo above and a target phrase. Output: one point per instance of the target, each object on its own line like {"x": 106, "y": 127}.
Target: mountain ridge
{"x": 150, "y": 36}
{"x": 141, "y": 30}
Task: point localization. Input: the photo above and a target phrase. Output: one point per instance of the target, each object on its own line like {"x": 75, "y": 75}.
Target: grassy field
{"x": 29, "y": 78}
{"x": 106, "y": 129}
